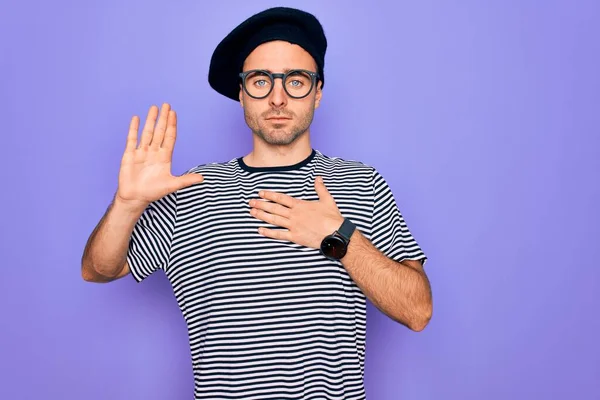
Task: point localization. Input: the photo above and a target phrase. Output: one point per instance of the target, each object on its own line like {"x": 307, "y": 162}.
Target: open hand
{"x": 306, "y": 222}
{"x": 145, "y": 173}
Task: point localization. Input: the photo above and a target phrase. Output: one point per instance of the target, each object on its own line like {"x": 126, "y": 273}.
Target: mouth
{"x": 278, "y": 121}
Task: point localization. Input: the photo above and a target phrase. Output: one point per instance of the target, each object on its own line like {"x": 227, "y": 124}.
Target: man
{"x": 271, "y": 256}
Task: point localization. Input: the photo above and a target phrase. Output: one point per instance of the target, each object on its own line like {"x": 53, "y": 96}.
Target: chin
{"x": 279, "y": 138}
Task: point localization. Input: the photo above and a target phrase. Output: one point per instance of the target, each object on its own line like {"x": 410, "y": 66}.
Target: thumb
{"x": 321, "y": 189}
{"x": 189, "y": 179}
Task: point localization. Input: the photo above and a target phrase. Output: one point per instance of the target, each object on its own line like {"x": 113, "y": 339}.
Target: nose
{"x": 278, "y": 96}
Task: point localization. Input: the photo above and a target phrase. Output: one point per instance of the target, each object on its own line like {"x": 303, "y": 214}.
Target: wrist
{"x": 336, "y": 224}
{"x": 128, "y": 208}
{"x": 335, "y": 245}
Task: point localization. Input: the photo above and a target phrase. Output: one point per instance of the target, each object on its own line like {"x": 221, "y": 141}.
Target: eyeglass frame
{"x": 283, "y": 76}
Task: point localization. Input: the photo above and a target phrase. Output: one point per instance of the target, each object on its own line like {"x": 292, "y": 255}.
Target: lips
{"x": 277, "y": 120}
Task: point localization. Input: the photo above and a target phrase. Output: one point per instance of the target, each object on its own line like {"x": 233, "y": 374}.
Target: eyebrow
{"x": 284, "y": 70}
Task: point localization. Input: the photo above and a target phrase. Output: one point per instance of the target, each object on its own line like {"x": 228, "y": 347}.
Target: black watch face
{"x": 333, "y": 247}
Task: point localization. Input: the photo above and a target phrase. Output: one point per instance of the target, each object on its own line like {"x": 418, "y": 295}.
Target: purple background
{"x": 483, "y": 116}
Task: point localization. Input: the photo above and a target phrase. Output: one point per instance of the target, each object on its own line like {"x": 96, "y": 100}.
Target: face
{"x": 279, "y": 119}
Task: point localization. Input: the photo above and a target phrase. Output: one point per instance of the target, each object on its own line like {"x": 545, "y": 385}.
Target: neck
{"x": 268, "y": 155}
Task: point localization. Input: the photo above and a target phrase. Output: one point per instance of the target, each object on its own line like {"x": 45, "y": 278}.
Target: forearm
{"x": 400, "y": 291}
{"x": 105, "y": 253}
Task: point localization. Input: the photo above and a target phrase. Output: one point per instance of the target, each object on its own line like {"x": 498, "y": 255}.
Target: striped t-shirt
{"x": 268, "y": 319}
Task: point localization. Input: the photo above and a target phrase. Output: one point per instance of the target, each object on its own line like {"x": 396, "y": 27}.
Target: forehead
{"x": 279, "y": 56}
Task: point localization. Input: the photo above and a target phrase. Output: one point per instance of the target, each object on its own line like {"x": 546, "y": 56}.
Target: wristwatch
{"x": 335, "y": 246}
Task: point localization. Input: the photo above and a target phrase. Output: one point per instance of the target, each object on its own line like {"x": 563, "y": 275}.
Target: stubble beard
{"x": 282, "y": 134}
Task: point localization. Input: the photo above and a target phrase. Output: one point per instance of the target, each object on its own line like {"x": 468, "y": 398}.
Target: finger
{"x": 161, "y": 126}
{"x": 272, "y": 208}
{"x": 277, "y": 198}
{"x": 279, "y": 234}
{"x": 170, "y": 133}
{"x": 149, "y": 127}
{"x": 134, "y": 125}
{"x": 269, "y": 218}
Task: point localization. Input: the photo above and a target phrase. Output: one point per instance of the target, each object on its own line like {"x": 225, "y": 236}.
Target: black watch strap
{"x": 347, "y": 229}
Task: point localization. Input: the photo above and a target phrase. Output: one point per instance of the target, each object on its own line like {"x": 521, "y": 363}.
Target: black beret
{"x": 277, "y": 23}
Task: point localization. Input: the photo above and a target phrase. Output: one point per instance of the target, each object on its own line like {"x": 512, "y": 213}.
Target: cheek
{"x": 252, "y": 113}
{"x": 248, "y": 107}
{"x": 306, "y": 109}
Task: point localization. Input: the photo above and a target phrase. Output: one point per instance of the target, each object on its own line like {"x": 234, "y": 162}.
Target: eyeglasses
{"x": 297, "y": 83}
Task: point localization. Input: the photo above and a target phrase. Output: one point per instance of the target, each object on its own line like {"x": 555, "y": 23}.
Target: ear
{"x": 241, "y": 96}
{"x": 319, "y": 94}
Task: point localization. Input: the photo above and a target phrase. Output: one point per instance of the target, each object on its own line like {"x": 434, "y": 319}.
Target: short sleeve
{"x": 150, "y": 242}
{"x": 389, "y": 231}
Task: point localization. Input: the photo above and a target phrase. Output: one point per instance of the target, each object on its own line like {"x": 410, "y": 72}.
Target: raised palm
{"x": 145, "y": 173}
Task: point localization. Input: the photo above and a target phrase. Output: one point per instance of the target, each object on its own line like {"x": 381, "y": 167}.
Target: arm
{"x": 401, "y": 290}
{"x": 144, "y": 178}
{"x": 105, "y": 255}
